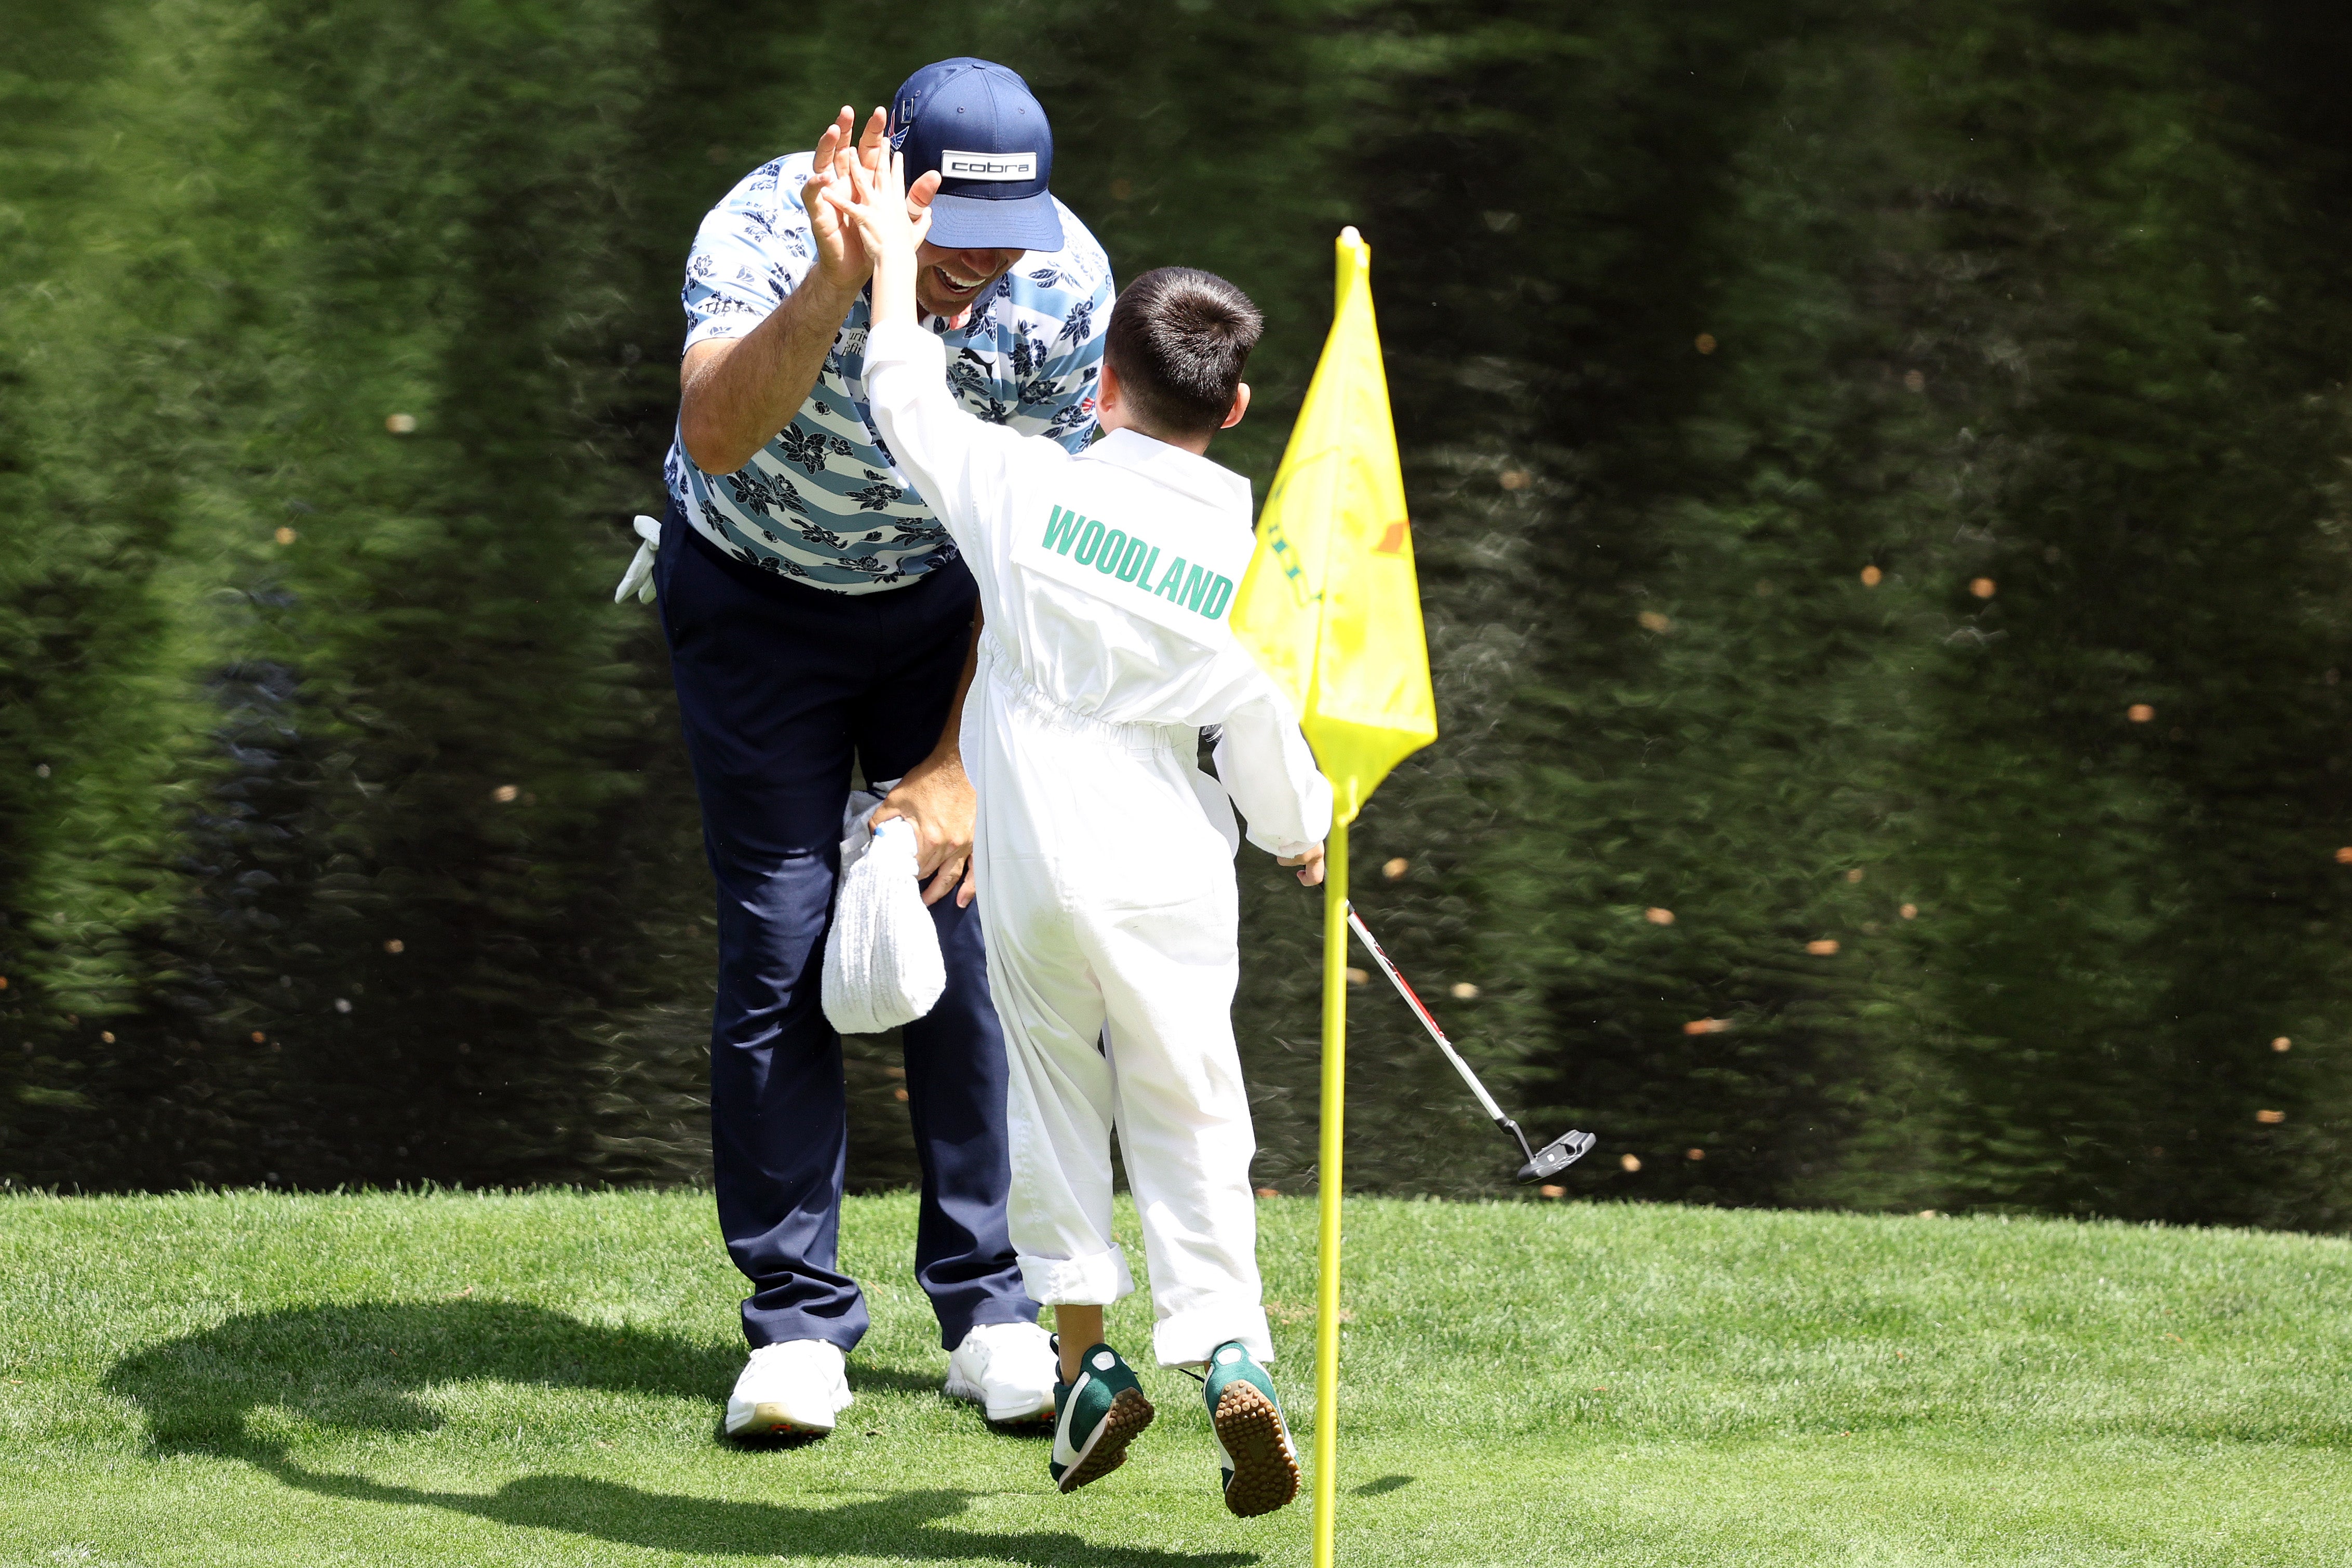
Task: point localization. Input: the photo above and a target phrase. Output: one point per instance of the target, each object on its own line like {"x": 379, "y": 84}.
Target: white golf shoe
{"x": 798, "y": 1387}
{"x": 1008, "y": 1370}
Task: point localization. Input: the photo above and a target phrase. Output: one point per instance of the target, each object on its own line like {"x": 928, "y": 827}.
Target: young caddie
{"x": 1104, "y": 856}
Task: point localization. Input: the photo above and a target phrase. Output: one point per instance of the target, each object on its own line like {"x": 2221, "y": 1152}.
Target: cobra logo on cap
{"x": 987, "y": 165}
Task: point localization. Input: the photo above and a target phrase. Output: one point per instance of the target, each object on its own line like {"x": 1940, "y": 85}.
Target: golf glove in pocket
{"x": 639, "y": 578}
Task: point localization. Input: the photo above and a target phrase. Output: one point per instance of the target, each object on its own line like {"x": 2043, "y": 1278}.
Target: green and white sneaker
{"x": 1261, "y": 1468}
{"x": 1095, "y": 1419}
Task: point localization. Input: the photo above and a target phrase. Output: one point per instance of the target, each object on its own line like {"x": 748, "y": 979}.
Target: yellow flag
{"x": 1330, "y": 606}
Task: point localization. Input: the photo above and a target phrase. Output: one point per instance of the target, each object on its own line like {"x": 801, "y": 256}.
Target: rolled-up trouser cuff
{"x": 1094, "y": 1281}
{"x": 1186, "y": 1338}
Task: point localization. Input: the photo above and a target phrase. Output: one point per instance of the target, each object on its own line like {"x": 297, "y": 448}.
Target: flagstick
{"x": 1335, "y": 1083}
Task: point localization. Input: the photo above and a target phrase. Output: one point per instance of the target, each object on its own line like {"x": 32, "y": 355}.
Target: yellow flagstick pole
{"x": 1335, "y": 1085}
{"x": 1332, "y": 609}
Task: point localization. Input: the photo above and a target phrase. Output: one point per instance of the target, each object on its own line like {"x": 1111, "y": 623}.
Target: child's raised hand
{"x": 873, "y": 203}
{"x": 875, "y": 200}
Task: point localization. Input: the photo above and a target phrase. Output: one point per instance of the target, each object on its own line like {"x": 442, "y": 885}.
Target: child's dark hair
{"x": 1178, "y": 339}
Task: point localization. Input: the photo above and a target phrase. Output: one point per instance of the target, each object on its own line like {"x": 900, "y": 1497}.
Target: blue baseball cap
{"x": 981, "y": 126}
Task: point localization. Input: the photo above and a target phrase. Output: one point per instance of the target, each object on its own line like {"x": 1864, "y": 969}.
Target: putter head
{"x": 1558, "y": 1155}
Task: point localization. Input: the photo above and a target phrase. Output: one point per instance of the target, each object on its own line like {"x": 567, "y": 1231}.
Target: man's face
{"x": 948, "y": 280}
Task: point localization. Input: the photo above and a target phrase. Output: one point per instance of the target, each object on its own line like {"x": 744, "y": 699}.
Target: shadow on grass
{"x": 902, "y": 1525}
{"x": 364, "y": 1368}
{"x": 361, "y": 1367}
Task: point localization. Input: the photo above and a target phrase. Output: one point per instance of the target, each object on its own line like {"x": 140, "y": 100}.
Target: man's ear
{"x": 1105, "y": 387}
{"x": 1241, "y": 406}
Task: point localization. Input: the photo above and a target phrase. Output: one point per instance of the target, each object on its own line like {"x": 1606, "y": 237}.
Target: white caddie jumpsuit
{"x": 1104, "y": 855}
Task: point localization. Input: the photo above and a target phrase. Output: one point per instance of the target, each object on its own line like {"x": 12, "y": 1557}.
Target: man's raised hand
{"x": 841, "y": 254}
{"x": 843, "y": 153}
{"x": 874, "y": 151}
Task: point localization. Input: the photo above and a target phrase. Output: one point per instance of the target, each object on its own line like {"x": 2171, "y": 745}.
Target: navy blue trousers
{"x": 779, "y": 684}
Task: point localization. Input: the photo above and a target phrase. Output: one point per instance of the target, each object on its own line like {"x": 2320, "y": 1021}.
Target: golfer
{"x": 820, "y": 621}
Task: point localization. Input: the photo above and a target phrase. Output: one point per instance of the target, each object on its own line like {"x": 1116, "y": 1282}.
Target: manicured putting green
{"x": 535, "y": 1378}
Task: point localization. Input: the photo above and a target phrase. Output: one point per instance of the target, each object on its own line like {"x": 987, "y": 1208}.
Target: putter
{"x": 1553, "y": 1157}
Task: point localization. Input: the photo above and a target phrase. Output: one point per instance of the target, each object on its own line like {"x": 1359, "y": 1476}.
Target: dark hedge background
{"x": 1879, "y": 480}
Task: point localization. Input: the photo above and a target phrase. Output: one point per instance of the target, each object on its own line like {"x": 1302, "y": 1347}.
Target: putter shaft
{"x": 1412, "y": 1000}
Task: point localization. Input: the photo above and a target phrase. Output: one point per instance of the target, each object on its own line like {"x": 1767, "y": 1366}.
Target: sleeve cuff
{"x": 903, "y": 343}
{"x": 1283, "y": 849}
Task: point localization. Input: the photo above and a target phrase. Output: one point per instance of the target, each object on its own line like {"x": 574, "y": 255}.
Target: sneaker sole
{"x": 1265, "y": 1472}
{"x": 770, "y": 1421}
{"x": 957, "y": 1388}
{"x": 1041, "y": 1416}
{"x": 1130, "y": 1413}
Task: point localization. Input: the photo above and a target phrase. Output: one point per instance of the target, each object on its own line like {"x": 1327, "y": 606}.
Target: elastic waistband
{"x": 1135, "y": 739}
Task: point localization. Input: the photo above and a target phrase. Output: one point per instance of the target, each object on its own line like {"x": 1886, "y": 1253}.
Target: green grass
{"x": 535, "y": 1378}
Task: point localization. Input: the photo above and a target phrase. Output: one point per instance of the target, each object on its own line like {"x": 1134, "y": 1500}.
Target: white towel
{"x": 882, "y": 963}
